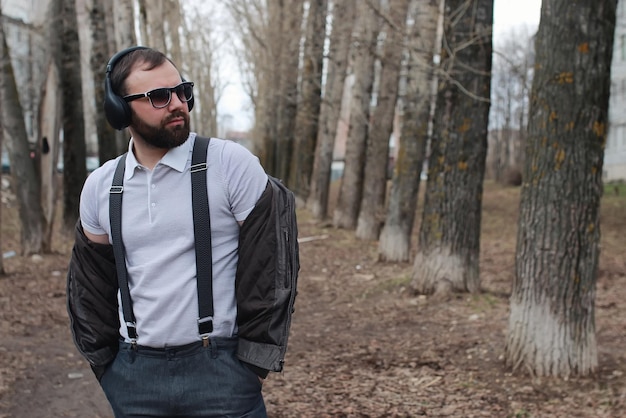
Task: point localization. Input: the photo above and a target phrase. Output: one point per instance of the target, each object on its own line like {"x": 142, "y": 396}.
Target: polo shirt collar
{"x": 175, "y": 158}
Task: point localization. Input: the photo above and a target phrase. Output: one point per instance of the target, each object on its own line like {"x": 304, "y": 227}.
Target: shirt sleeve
{"x": 89, "y": 204}
{"x": 245, "y": 179}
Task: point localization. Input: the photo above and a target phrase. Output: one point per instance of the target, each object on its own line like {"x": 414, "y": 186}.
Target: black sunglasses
{"x": 159, "y": 98}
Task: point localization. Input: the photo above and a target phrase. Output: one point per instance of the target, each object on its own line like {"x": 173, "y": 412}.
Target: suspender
{"x": 115, "y": 217}
{"x": 202, "y": 235}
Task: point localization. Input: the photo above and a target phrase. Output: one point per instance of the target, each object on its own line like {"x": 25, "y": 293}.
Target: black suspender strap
{"x": 202, "y": 235}
{"x": 115, "y": 217}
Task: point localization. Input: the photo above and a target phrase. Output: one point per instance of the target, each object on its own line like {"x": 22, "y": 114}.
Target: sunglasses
{"x": 160, "y": 98}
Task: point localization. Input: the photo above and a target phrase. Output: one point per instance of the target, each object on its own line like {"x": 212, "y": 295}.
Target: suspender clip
{"x": 198, "y": 167}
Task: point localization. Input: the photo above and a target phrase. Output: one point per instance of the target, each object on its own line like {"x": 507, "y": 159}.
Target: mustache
{"x": 176, "y": 115}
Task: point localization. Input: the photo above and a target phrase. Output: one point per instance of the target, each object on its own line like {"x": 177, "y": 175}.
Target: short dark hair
{"x": 151, "y": 57}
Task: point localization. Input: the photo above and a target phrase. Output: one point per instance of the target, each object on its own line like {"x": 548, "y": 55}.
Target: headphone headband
{"x": 115, "y": 58}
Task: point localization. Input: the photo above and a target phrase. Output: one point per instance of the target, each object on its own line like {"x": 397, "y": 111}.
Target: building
{"x": 615, "y": 151}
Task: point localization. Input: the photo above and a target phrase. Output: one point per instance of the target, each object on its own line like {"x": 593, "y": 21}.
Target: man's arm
{"x": 98, "y": 239}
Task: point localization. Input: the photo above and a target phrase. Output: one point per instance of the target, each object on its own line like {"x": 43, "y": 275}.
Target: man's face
{"x": 163, "y": 128}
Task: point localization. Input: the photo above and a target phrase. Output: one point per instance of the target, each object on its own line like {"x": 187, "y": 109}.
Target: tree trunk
{"x": 100, "y": 55}
{"x": 269, "y": 87}
{"x": 340, "y": 40}
{"x": 2, "y": 271}
{"x": 124, "y": 18}
{"x": 50, "y": 113}
{"x": 48, "y": 149}
{"x": 173, "y": 20}
{"x": 124, "y": 37}
{"x": 74, "y": 147}
{"x": 254, "y": 22}
{"x": 307, "y": 119}
{"x": 395, "y": 238}
{"x": 24, "y": 178}
{"x": 449, "y": 238}
{"x": 143, "y": 21}
{"x": 372, "y": 212}
{"x": 156, "y": 31}
{"x": 364, "y": 53}
{"x": 288, "y": 84}
{"x": 551, "y": 328}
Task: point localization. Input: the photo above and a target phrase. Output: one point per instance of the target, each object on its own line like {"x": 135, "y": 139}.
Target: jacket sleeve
{"x": 92, "y": 301}
{"x": 265, "y": 283}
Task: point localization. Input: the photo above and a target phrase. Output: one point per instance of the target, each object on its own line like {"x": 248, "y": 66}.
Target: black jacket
{"x": 265, "y": 284}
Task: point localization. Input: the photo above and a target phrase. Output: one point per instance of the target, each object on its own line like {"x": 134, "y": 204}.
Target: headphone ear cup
{"x": 190, "y": 104}
{"x": 116, "y": 109}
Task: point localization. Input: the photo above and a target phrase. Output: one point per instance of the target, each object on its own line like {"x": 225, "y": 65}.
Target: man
{"x": 145, "y": 336}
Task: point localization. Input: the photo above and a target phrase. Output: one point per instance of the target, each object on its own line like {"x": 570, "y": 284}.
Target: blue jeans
{"x": 185, "y": 381}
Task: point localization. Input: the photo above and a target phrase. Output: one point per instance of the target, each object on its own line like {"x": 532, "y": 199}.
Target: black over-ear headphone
{"x": 116, "y": 109}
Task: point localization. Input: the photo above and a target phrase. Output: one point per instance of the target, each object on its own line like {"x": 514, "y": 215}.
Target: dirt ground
{"x": 361, "y": 344}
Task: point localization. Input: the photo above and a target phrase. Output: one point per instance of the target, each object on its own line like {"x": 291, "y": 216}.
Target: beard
{"x": 162, "y": 136}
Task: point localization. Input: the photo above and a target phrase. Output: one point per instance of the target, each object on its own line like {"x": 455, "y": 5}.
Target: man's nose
{"x": 175, "y": 102}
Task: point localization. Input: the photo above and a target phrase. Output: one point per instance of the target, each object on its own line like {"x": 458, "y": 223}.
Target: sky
{"x": 511, "y": 13}
{"x": 507, "y": 14}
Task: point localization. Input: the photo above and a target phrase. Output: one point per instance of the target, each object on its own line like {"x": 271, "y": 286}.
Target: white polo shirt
{"x": 158, "y": 235}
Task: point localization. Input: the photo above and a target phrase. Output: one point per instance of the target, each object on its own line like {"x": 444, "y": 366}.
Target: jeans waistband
{"x": 215, "y": 343}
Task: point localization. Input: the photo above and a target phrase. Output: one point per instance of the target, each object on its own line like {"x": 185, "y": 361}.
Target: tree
{"x": 124, "y": 18}
{"x": 2, "y": 271}
{"x": 367, "y": 28}
{"x": 100, "y": 54}
{"x": 272, "y": 33}
{"x": 449, "y": 237}
{"x": 395, "y": 238}
{"x": 371, "y": 215}
{"x": 143, "y": 20}
{"x": 200, "y": 42}
{"x": 50, "y": 114}
{"x": 123, "y": 36}
{"x": 156, "y": 32}
{"x": 288, "y": 73}
{"x": 251, "y": 20}
{"x": 23, "y": 174}
{"x": 551, "y": 329}
{"x": 511, "y": 79}
{"x": 309, "y": 103}
{"x": 173, "y": 20}
{"x": 340, "y": 40}
{"x": 74, "y": 147}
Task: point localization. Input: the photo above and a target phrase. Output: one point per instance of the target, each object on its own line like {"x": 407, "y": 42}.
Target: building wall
{"x": 615, "y": 151}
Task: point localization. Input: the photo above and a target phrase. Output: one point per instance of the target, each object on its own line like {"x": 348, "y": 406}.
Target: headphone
{"x": 116, "y": 109}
